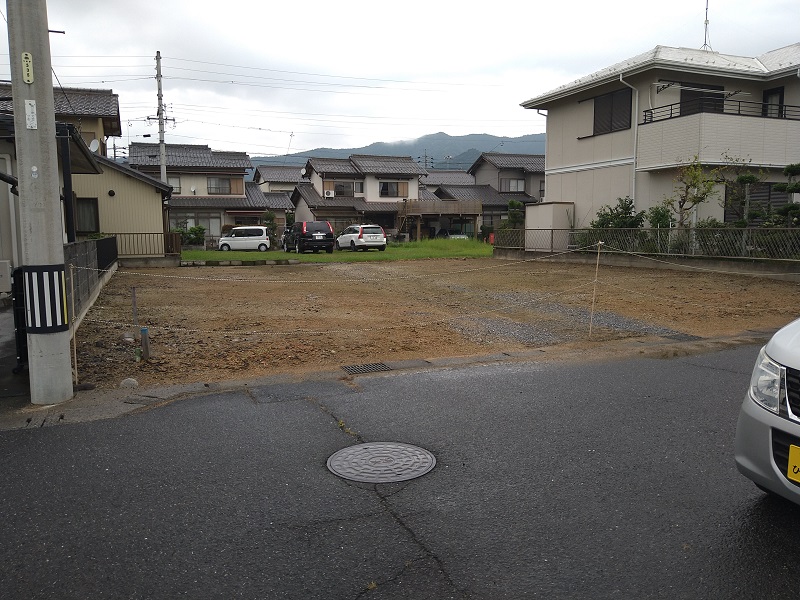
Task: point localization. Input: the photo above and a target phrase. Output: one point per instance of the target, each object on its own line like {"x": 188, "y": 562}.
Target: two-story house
{"x": 391, "y": 191}
{"x": 359, "y": 189}
{"x": 208, "y": 186}
{"x": 625, "y": 130}
{"x": 93, "y": 113}
{"x": 114, "y": 199}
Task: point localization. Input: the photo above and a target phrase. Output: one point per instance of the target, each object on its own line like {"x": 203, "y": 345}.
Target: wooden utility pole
{"x": 41, "y": 230}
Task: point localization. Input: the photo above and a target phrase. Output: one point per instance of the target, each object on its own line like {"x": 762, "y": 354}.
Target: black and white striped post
{"x": 45, "y": 299}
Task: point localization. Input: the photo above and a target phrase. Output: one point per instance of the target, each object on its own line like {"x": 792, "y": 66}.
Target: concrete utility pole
{"x": 162, "y": 148}
{"x": 40, "y": 224}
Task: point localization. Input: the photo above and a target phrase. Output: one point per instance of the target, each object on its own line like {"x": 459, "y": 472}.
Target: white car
{"x": 362, "y": 237}
{"x": 254, "y": 237}
{"x": 767, "y": 446}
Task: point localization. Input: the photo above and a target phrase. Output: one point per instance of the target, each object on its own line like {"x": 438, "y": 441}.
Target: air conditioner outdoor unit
{"x": 330, "y": 194}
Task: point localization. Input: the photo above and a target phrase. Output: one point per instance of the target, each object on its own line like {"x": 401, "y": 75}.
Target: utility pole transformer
{"x": 41, "y": 230}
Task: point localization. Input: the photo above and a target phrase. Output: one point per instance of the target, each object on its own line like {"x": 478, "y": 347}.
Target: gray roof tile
{"x": 280, "y": 174}
{"x": 386, "y": 165}
{"x": 188, "y": 156}
{"x": 487, "y": 195}
{"x": 334, "y": 166}
{"x": 529, "y": 163}
{"x": 76, "y": 103}
{"x": 443, "y": 177}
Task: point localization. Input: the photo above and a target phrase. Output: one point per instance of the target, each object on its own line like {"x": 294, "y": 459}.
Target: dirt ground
{"x": 211, "y": 324}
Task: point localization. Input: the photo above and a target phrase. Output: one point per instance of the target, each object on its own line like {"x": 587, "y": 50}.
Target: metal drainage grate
{"x": 381, "y": 462}
{"x": 368, "y": 368}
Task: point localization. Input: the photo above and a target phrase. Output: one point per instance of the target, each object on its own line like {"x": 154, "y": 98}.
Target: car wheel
{"x": 352, "y": 246}
{"x": 329, "y": 250}
{"x": 381, "y": 248}
{"x": 338, "y": 247}
{"x": 224, "y": 247}
{"x": 286, "y": 247}
{"x": 297, "y": 247}
{"x": 263, "y": 248}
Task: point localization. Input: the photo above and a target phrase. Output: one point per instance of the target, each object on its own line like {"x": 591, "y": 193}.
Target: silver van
{"x": 254, "y": 237}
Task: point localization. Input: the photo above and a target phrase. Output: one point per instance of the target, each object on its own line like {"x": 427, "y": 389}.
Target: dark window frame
{"x": 81, "y": 216}
{"x": 612, "y": 111}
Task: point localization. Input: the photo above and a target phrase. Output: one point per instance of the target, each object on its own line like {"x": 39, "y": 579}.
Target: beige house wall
{"x": 199, "y": 181}
{"x": 372, "y": 189}
{"x": 135, "y": 207}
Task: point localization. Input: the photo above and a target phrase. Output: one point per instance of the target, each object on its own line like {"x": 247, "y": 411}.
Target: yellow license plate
{"x": 793, "y": 471}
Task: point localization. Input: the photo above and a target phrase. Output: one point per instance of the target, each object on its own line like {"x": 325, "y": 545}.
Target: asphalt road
{"x": 601, "y": 480}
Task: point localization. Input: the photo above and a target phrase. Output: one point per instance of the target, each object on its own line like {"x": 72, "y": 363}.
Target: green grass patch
{"x": 406, "y": 251}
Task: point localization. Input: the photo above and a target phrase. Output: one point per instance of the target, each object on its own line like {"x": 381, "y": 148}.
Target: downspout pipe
{"x": 12, "y": 208}
{"x": 635, "y": 136}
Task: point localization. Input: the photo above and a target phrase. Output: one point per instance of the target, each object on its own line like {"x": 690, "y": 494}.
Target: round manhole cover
{"x": 381, "y": 462}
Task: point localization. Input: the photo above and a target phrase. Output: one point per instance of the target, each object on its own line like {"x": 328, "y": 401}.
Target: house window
{"x": 175, "y": 182}
{"x": 344, "y": 188}
{"x": 394, "y": 189}
{"x": 512, "y": 185}
{"x": 219, "y": 185}
{"x": 211, "y": 221}
{"x": 764, "y": 200}
{"x": 612, "y": 112}
{"x": 87, "y": 217}
{"x": 541, "y": 188}
{"x": 773, "y": 103}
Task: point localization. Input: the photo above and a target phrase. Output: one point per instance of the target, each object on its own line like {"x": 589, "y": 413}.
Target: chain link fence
{"x": 783, "y": 243}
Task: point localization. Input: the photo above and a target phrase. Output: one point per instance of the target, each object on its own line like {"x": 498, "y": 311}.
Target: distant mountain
{"x": 435, "y": 151}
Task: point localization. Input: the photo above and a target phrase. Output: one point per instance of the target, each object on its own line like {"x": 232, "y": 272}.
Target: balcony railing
{"x": 716, "y": 104}
{"x": 148, "y": 244}
{"x": 773, "y": 243}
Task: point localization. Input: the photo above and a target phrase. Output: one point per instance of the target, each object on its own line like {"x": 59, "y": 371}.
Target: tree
{"x": 660, "y": 217}
{"x": 792, "y": 186}
{"x": 516, "y": 214}
{"x": 738, "y": 177}
{"x": 621, "y": 216}
{"x": 693, "y": 186}
{"x": 268, "y": 218}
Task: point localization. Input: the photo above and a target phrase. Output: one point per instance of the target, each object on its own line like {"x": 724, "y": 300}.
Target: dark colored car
{"x": 310, "y": 235}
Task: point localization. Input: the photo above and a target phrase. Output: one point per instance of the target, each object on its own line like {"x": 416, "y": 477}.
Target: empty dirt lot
{"x": 209, "y": 324}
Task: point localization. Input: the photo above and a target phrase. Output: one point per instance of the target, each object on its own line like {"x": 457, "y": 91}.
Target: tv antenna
{"x": 706, "y": 45}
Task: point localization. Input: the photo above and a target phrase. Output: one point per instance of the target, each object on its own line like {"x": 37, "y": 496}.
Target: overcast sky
{"x": 275, "y": 77}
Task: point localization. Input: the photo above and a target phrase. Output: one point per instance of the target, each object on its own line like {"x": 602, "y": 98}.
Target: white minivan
{"x": 254, "y": 237}
{"x": 767, "y": 445}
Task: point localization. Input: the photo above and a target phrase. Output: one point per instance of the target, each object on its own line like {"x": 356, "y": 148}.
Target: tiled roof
{"x": 529, "y": 163}
{"x": 315, "y": 201}
{"x": 220, "y": 202}
{"x": 690, "y": 60}
{"x": 333, "y": 166}
{"x": 359, "y": 165}
{"x": 280, "y": 174}
{"x": 426, "y": 194}
{"x": 108, "y": 163}
{"x": 486, "y": 194}
{"x": 278, "y": 201}
{"x": 76, "y": 103}
{"x": 187, "y": 155}
{"x": 444, "y": 177}
{"x": 386, "y": 165}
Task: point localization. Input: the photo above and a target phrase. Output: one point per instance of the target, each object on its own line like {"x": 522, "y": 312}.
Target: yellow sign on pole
{"x": 27, "y": 67}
